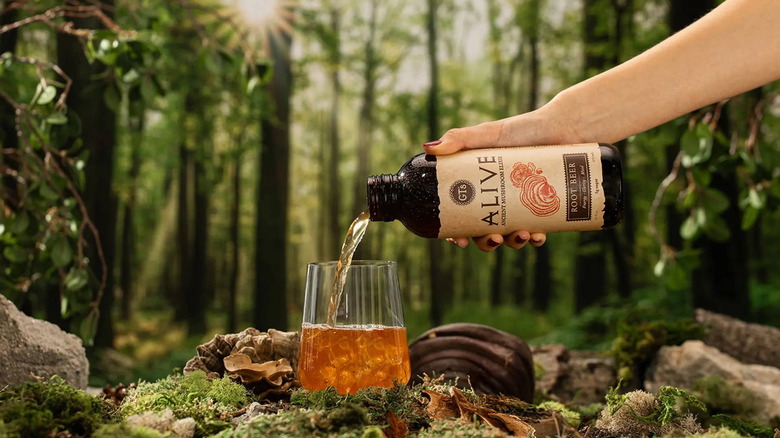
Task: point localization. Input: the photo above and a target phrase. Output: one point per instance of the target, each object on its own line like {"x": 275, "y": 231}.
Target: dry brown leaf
{"x": 272, "y": 371}
{"x": 440, "y": 406}
{"x": 552, "y": 426}
{"x": 468, "y": 410}
{"x": 398, "y": 427}
{"x": 513, "y": 424}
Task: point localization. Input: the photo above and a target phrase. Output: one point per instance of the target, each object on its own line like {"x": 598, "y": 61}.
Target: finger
{"x": 489, "y": 243}
{"x": 459, "y": 241}
{"x": 473, "y": 137}
{"x": 517, "y": 240}
{"x": 537, "y": 239}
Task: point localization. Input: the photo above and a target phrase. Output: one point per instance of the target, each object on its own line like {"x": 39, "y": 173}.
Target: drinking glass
{"x": 365, "y": 343}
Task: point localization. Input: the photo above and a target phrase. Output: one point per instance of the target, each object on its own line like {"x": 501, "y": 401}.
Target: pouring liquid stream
{"x": 354, "y": 235}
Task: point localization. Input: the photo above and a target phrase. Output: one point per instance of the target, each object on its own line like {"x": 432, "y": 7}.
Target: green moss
{"x": 742, "y": 427}
{"x": 726, "y": 397}
{"x": 346, "y": 421}
{"x": 41, "y": 408}
{"x": 452, "y": 428}
{"x": 713, "y": 432}
{"x": 571, "y": 417}
{"x": 636, "y": 344}
{"x": 404, "y": 401}
{"x": 193, "y": 396}
{"x": 124, "y": 430}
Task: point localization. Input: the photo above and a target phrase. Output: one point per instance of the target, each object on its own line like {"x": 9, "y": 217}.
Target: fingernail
{"x": 452, "y": 241}
{"x": 492, "y": 243}
{"x": 432, "y": 143}
{"x": 534, "y": 241}
{"x": 520, "y": 240}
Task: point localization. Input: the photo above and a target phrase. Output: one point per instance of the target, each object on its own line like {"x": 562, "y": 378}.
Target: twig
{"x": 651, "y": 217}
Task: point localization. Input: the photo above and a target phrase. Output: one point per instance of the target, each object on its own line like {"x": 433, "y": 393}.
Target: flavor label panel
{"x": 539, "y": 188}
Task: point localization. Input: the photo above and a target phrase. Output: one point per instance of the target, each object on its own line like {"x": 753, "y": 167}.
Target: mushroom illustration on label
{"x": 536, "y": 194}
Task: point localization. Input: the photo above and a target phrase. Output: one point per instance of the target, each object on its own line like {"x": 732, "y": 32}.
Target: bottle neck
{"x": 384, "y": 197}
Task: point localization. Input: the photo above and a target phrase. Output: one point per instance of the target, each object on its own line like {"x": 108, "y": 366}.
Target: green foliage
{"x": 403, "y": 400}
{"x": 50, "y": 407}
{"x": 571, "y": 417}
{"x": 124, "y": 430}
{"x": 346, "y": 421}
{"x": 636, "y": 344}
{"x": 452, "y": 428}
{"x": 744, "y": 428}
{"x": 191, "y": 396}
{"x": 670, "y": 405}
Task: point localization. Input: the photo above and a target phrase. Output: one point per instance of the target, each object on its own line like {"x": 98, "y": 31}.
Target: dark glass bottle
{"x": 412, "y": 196}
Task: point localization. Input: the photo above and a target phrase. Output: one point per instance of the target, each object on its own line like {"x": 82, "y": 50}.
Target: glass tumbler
{"x": 364, "y": 342}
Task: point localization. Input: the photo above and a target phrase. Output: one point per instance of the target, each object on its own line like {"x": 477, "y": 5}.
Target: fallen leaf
{"x": 513, "y": 424}
{"x": 398, "y": 428}
{"x": 440, "y": 406}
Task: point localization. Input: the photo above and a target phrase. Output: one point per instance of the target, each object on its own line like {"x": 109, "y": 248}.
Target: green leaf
{"x": 15, "y": 254}
{"x": 57, "y": 118}
{"x": 717, "y": 230}
{"x": 46, "y": 95}
{"x": 658, "y": 270}
{"x": 131, "y": 76}
{"x": 689, "y": 199}
{"x": 76, "y": 279}
{"x": 689, "y": 144}
{"x": 689, "y": 228}
{"x": 47, "y": 192}
{"x": 61, "y": 252}
{"x": 749, "y": 217}
{"x": 756, "y": 199}
{"x": 88, "y": 327}
{"x": 702, "y": 177}
{"x": 714, "y": 201}
{"x": 20, "y": 223}
{"x": 111, "y": 98}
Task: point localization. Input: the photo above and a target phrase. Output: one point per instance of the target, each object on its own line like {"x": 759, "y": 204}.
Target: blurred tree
{"x": 270, "y": 293}
{"x": 91, "y": 83}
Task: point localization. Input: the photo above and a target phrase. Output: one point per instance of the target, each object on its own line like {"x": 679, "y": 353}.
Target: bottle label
{"x": 537, "y": 189}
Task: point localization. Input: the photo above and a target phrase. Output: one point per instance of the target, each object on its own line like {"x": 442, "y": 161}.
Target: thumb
{"x": 483, "y": 135}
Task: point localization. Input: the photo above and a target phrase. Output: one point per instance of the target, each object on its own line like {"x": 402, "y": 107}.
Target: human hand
{"x": 540, "y": 127}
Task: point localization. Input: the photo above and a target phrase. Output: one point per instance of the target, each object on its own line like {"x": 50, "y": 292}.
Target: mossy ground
{"x": 51, "y": 407}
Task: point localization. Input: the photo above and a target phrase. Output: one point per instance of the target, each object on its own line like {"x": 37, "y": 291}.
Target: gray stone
{"x": 32, "y": 349}
{"x": 682, "y": 366}
{"x": 579, "y": 376}
{"x": 750, "y": 343}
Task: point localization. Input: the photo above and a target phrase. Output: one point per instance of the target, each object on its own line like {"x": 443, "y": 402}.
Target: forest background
{"x": 170, "y": 167}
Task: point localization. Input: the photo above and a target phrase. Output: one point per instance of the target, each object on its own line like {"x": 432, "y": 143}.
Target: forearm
{"x": 733, "y": 49}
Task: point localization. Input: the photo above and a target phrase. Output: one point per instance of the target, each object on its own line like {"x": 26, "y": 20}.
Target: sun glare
{"x": 265, "y": 19}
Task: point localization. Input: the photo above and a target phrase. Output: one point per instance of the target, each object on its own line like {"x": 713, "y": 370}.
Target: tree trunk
{"x": 590, "y": 276}
{"x": 235, "y": 216}
{"x": 495, "y": 279}
{"x": 439, "y": 276}
{"x": 720, "y": 283}
{"x": 366, "y": 128}
{"x": 128, "y": 223}
{"x": 201, "y": 279}
{"x": 183, "y": 289}
{"x": 8, "y": 137}
{"x": 270, "y": 307}
{"x": 336, "y": 233}
{"x": 98, "y": 132}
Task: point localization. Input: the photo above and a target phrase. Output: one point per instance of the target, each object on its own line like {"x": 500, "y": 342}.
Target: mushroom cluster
{"x": 262, "y": 361}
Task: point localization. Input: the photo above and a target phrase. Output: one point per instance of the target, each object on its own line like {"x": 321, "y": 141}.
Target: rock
{"x": 32, "y": 349}
{"x": 165, "y": 422}
{"x": 580, "y": 376}
{"x": 682, "y": 366}
{"x": 751, "y": 343}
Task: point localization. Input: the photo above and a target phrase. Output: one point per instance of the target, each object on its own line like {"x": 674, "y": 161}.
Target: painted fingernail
{"x": 520, "y": 240}
{"x": 492, "y": 243}
{"x": 432, "y": 143}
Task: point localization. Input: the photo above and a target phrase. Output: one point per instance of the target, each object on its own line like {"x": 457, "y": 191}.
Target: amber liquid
{"x": 352, "y": 357}
{"x": 354, "y": 235}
